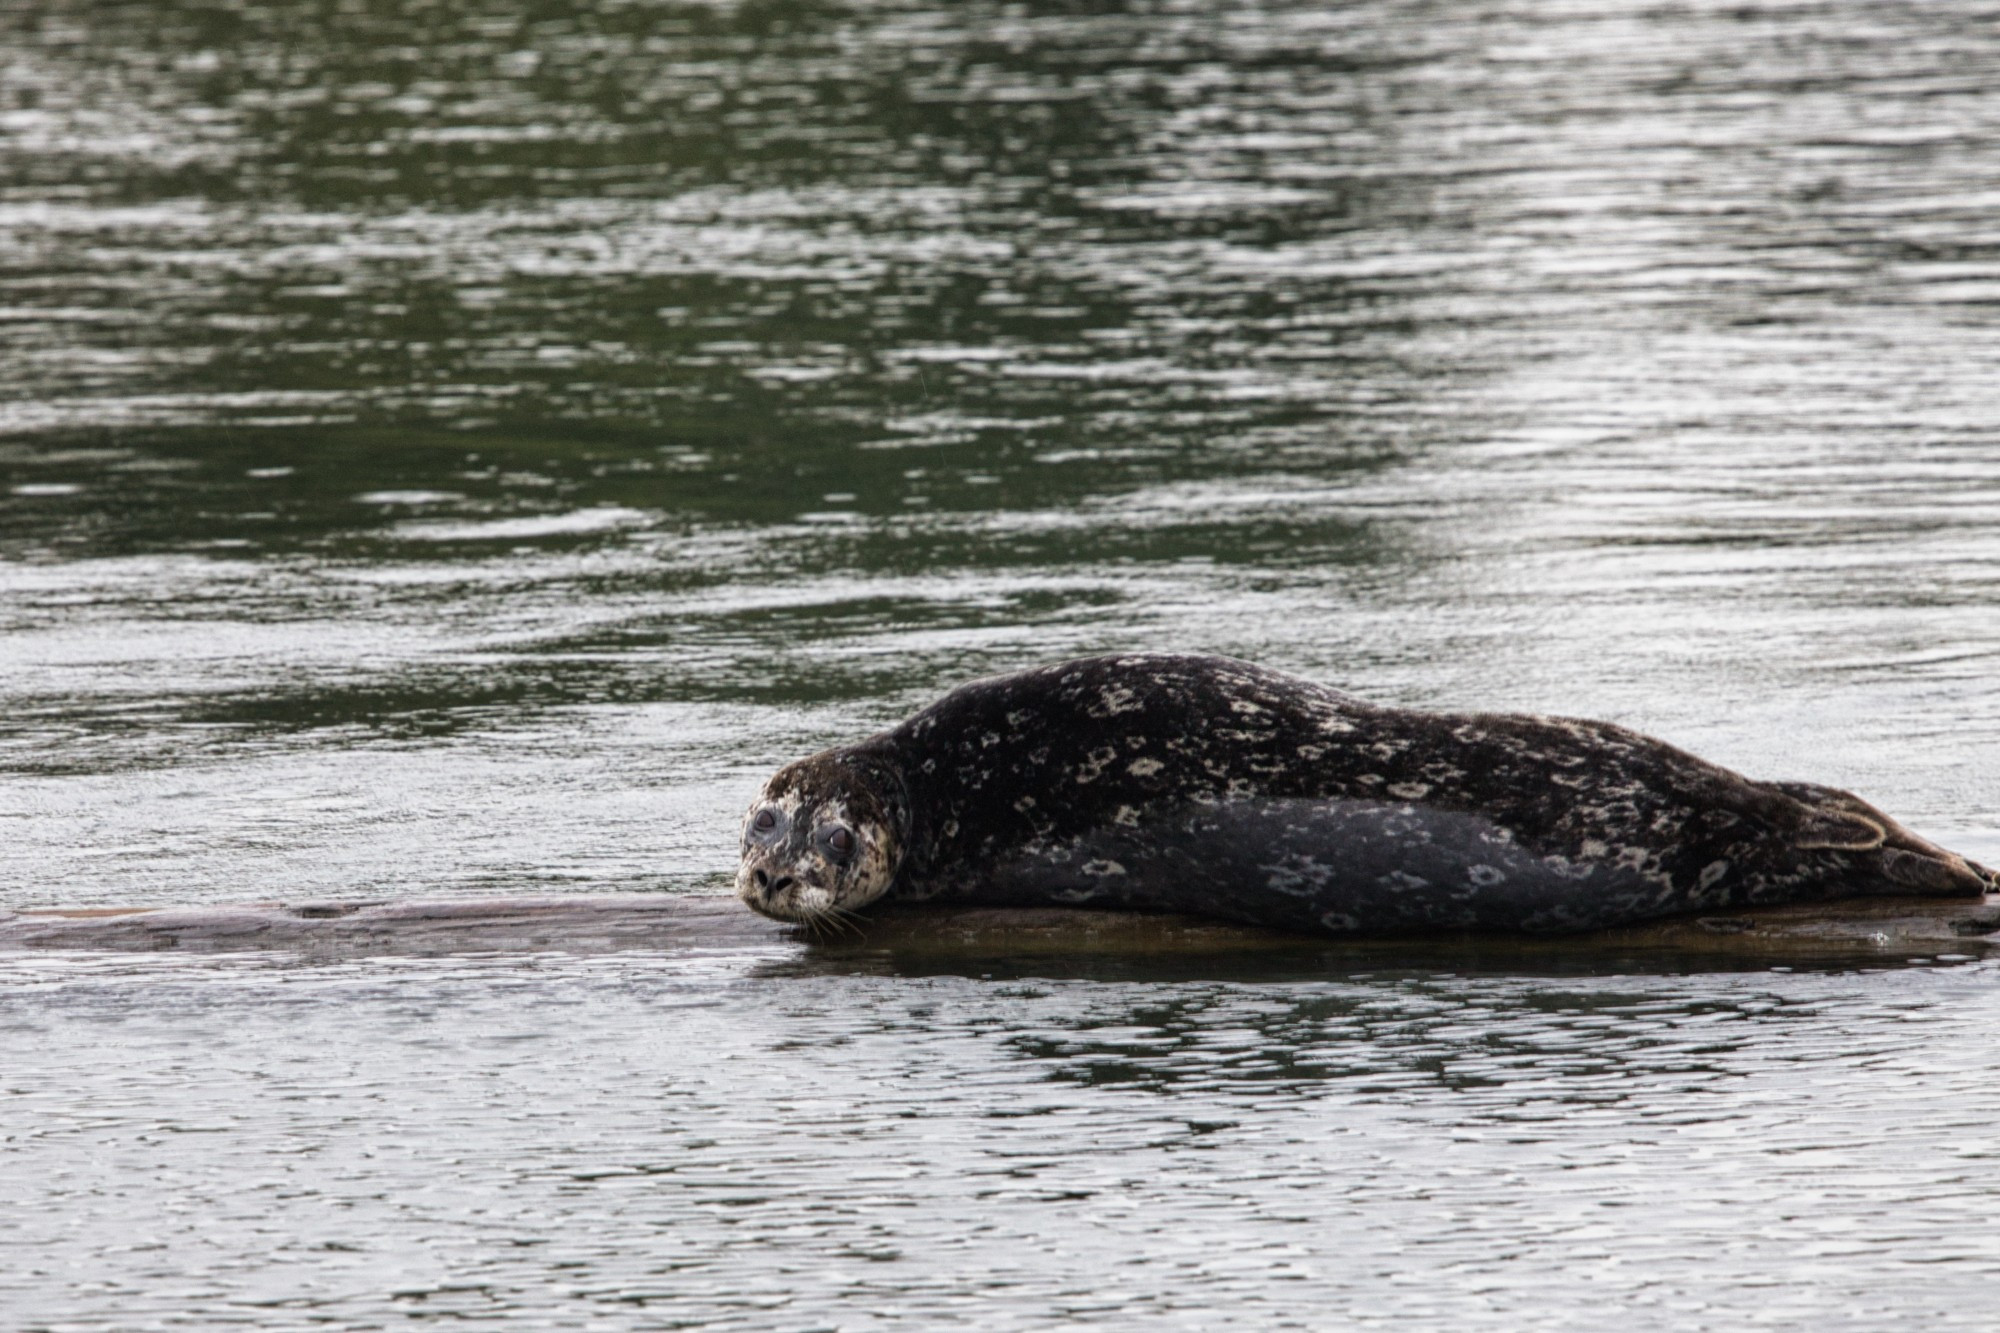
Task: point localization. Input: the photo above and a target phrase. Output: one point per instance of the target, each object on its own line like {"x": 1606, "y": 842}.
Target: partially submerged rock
{"x": 581, "y": 922}
{"x": 1869, "y": 929}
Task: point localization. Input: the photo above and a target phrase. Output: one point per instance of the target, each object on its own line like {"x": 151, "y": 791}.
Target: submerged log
{"x": 1882, "y": 929}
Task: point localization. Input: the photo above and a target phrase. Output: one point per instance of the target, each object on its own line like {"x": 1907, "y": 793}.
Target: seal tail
{"x": 1842, "y": 821}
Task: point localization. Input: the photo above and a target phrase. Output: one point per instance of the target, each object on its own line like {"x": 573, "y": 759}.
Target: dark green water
{"x": 461, "y": 448}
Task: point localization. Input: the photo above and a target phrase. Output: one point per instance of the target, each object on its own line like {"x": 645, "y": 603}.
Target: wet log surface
{"x": 1885, "y": 929}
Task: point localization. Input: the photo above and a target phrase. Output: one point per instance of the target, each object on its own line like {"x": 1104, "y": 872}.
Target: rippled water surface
{"x": 649, "y": 1142}
{"x": 454, "y": 449}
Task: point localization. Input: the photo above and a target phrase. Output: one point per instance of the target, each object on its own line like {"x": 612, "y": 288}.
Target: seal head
{"x": 823, "y": 839}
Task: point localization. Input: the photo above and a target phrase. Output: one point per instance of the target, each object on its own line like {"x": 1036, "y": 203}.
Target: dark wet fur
{"x": 1212, "y": 786}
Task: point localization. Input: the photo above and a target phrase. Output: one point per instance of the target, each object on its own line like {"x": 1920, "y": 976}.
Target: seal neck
{"x": 875, "y": 763}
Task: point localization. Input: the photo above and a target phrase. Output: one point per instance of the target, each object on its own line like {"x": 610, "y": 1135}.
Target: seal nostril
{"x": 760, "y": 879}
{"x": 784, "y": 882}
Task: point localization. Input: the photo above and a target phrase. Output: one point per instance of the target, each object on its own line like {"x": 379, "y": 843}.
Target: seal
{"x": 1210, "y": 786}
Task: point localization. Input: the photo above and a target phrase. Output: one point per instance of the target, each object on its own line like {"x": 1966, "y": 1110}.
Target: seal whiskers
{"x": 846, "y": 922}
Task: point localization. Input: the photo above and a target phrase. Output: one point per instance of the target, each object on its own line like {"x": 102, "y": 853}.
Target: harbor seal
{"x": 1214, "y": 787}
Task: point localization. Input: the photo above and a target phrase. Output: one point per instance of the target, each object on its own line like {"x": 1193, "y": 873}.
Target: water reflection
{"x": 1582, "y": 1049}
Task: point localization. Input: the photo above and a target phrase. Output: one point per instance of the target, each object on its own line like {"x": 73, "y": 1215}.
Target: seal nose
{"x": 766, "y": 886}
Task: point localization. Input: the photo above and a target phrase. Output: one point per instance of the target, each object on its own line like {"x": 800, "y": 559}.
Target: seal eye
{"x": 840, "y": 842}
{"x": 765, "y": 821}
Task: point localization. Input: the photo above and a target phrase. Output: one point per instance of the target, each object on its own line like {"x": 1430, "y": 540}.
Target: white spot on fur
{"x": 1102, "y": 867}
{"x": 1144, "y": 768}
{"x": 1410, "y": 791}
{"x": 1117, "y": 699}
{"x": 1093, "y": 765}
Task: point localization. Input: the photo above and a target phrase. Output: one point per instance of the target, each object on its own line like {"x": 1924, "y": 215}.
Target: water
{"x": 460, "y": 449}
{"x": 649, "y": 1142}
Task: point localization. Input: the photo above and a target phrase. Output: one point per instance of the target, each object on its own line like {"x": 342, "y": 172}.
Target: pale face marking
{"x": 795, "y": 870}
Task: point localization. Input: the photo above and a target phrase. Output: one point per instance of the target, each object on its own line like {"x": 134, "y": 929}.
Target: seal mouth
{"x": 784, "y": 896}
{"x": 775, "y": 911}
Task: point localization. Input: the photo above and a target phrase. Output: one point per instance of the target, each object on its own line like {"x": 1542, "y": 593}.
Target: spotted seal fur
{"x": 1210, "y": 786}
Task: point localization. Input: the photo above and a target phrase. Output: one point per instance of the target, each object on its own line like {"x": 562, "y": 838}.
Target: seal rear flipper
{"x": 1952, "y": 875}
{"x": 1912, "y": 864}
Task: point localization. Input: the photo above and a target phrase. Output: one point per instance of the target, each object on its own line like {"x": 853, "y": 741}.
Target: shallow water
{"x": 461, "y": 449}
{"x": 650, "y": 1142}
